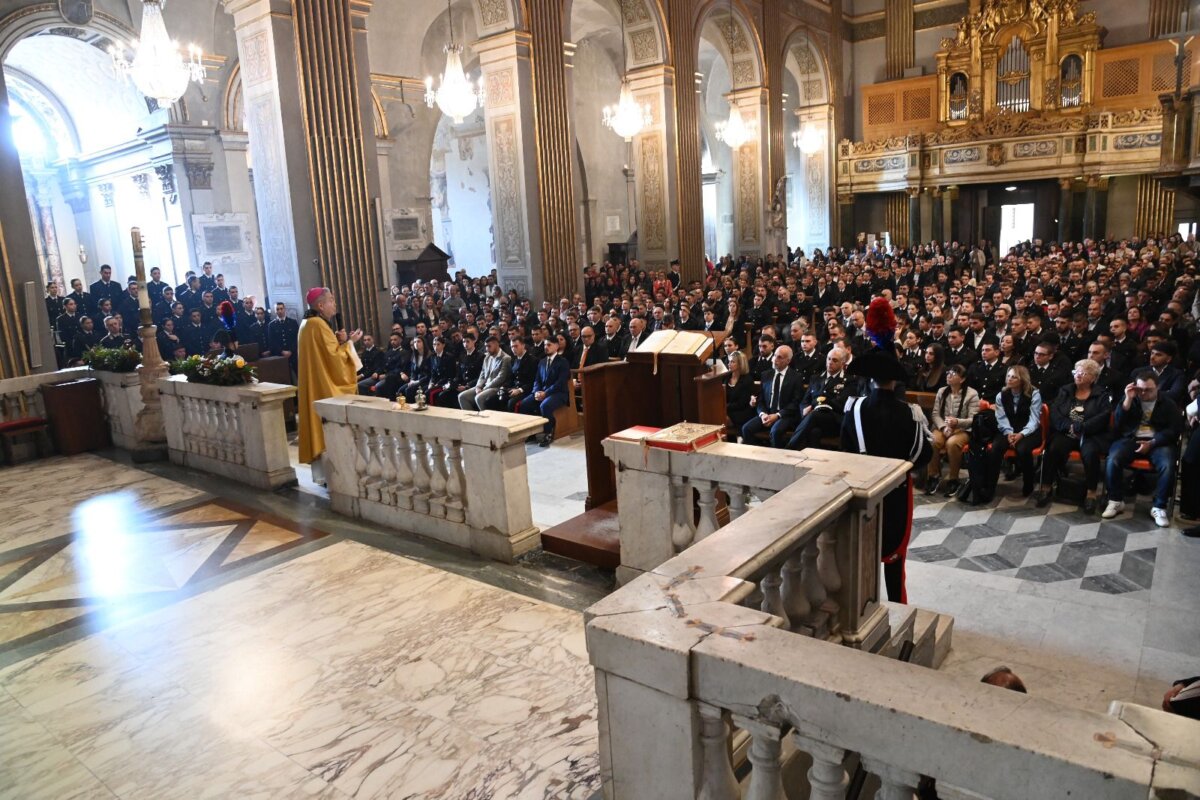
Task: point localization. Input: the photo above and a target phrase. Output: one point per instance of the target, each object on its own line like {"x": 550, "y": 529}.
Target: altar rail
{"x": 236, "y": 432}
{"x": 456, "y": 476}
{"x": 699, "y": 657}
{"x": 21, "y": 398}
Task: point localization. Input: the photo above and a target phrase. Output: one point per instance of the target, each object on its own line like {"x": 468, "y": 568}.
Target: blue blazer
{"x": 552, "y": 377}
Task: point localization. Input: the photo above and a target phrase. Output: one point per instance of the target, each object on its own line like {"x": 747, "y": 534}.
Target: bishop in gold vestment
{"x": 326, "y": 368}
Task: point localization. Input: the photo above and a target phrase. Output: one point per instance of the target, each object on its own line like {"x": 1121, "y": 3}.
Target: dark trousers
{"x": 1189, "y": 476}
{"x": 546, "y": 407}
{"x": 778, "y": 431}
{"x": 1059, "y": 451}
{"x": 897, "y": 531}
{"x": 819, "y": 423}
{"x": 1024, "y": 459}
{"x": 448, "y": 398}
{"x": 1121, "y": 454}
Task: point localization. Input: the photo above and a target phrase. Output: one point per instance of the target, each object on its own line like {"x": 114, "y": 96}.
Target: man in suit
{"x": 1148, "y": 425}
{"x": 1047, "y": 373}
{"x": 778, "y": 401}
{"x": 958, "y": 352}
{"x": 207, "y": 280}
{"x": 219, "y": 292}
{"x": 521, "y": 377}
{"x": 591, "y": 353}
{"x": 282, "y": 333}
{"x": 127, "y": 307}
{"x": 637, "y": 333}
{"x": 442, "y": 368}
{"x": 106, "y": 287}
{"x": 155, "y": 286}
{"x": 388, "y": 373}
{"x": 466, "y": 374}
{"x": 823, "y": 406}
{"x": 496, "y": 367}
{"x": 83, "y": 301}
{"x": 162, "y": 309}
{"x": 549, "y": 390}
{"x": 196, "y": 336}
{"x": 1172, "y": 382}
{"x": 978, "y": 333}
{"x": 615, "y": 344}
{"x": 986, "y": 375}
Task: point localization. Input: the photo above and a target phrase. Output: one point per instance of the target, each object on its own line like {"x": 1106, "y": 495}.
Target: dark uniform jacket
{"x": 832, "y": 391}
{"x": 442, "y": 369}
{"x": 1049, "y": 379}
{"x": 281, "y": 335}
{"x": 468, "y": 369}
{"x": 82, "y": 343}
{"x": 372, "y": 362}
{"x": 523, "y": 374}
{"x": 988, "y": 381}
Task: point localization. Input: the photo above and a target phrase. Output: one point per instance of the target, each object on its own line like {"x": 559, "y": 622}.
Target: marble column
{"x": 751, "y": 165}
{"x": 266, "y": 39}
{"x": 814, "y": 228}
{"x": 25, "y": 341}
{"x": 690, "y": 217}
{"x": 656, "y": 181}
{"x": 937, "y": 220}
{"x": 1066, "y": 208}
{"x": 232, "y": 158}
{"x": 507, "y": 74}
{"x": 1097, "y": 192}
{"x": 914, "y": 216}
{"x": 555, "y": 144}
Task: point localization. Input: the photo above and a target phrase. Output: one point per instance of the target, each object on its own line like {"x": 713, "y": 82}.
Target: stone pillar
{"x": 937, "y": 220}
{"x": 555, "y": 142}
{"x": 231, "y": 158}
{"x": 914, "y": 216}
{"x": 1066, "y": 208}
{"x": 656, "y": 182}
{"x": 751, "y": 165}
{"x": 952, "y": 200}
{"x": 814, "y": 228}
{"x": 77, "y": 193}
{"x": 690, "y": 213}
{"x": 507, "y": 74}
{"x": 25, "y": 341}
{"x": 266, "y": 41}
{"x": 846, "y": 230}
{"x": 1093, "y": 213}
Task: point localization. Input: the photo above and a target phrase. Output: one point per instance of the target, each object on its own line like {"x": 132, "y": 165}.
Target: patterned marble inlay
{"x": 343, "y": 672}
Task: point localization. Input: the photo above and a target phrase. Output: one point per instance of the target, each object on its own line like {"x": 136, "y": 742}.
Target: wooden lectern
{"x": 663, "y": 382}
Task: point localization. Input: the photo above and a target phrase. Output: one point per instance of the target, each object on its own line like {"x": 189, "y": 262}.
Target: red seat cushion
{"x": 24, "y": 424}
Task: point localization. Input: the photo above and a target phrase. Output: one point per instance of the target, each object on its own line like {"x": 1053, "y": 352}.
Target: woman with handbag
{"x": 1019, "y": 418}
{"x": 1079, "y": 418}
{"x": 954, "y": 407}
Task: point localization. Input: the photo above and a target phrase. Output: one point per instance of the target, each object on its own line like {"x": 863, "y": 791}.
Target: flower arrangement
{"x": 112, "y": 359}
{"x": 215, "y": 369}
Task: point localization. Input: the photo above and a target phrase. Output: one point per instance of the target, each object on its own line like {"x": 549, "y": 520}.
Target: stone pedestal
{"x": 123, "y": 405}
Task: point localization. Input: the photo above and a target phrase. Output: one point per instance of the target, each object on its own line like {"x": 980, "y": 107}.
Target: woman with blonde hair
{"x": 739, "y": 388}
{"x": 1019, "y": 419}
{"x": 954, "y": 407}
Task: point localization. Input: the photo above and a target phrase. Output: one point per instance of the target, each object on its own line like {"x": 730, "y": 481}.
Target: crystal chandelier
{"x": 456, "y": 97}
{"x": 627, "y": 117}
{"x": 735, "y": 131}
{"x": 807, "y": 138}
{"x": 158, "y": 69}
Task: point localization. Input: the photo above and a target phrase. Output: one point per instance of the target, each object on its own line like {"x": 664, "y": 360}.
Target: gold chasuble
{"x": 326, "y": 369}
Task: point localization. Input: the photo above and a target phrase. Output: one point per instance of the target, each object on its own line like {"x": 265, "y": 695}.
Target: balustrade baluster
{"x": 223, "y": 431}
{"x": 421, "y": 481}
{"x": 12, "y": 407}
{"x": 33, "y": 403}
{"x": 387, "y": 464}
{"x": 708, "y": 525}
{"x": 763, "y": 494}
{"x": 215, "y": 429}
{"x": 737, "y": 501}
{"x": 374, "y": 464}
{"x": 437, "y": 479}
{"x": 827, "y": 569}
{"x": 404, "y": 474}
{"x": 814, "y": 589}
{"x": 772, "y": 602}
{"x": 895, "y": 783}
{"x": 766, "y": 779}
{"x": 235, "y": 434}
{"x": 683, "y": 530}
{"x": 826, "y": 777}
{"x": 360, "y": 459}
{"x": 718, "y": 781}
{"x": 456, "y": 495}
{"x": 795, "y": 601}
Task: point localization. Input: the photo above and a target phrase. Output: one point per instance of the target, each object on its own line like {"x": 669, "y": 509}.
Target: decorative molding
{"x": 1136, "y": 141}
{"x": 1042, "y": 148}
{"x": 995, "y": 155}
{"x": 500, "y": 87}
{"x": 1006, "y": 126}
{"x": 652, "y": 227}
{"x": 743, "y": 73}
{"x": 1125, "y": 119}
{"x": 107, "y": 193}
{"x": 142, "y": 181}
{"x": 635, "y": 11}
{"x": 877, "y": 146}
{"x": 256, "y": 58}
{"x": 748, "y": 204}
{"x": 644, "y": 45}
{"x": 961, "y": 155}
{"x": 493, "y": 12}
{"x": 510, "y": 219}
{"x": 223, "y": 238}
{"x": 734, "y": 35}
{"x": 879, "y": 164}
{"x": 166, "y": 179}
{"x": 199, "y": 174}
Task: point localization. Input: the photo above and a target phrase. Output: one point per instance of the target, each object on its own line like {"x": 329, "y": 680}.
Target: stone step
{"x": 902, "y": 620}
{"x": 593, "y": 537}
{"x": 929, "y": 631}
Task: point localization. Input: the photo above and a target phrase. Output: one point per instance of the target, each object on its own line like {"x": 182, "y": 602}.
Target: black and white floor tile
{"x": 1056, "y": 544}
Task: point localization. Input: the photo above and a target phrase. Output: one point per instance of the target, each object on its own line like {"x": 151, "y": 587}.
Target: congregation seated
{"x": 824, "y": 405}
{"x": 954, "y": 408}
{"x": 1079, "y": 417}
{"x": 493, "y": 375}
{"x": 739, "y": 392}
{"x": 521, "y": 377}
{"x": 777, "y": 406}
{"x": 1146, "y": 426}
{"x": 1019, "y": 412}
{"x": 932, "y": 376}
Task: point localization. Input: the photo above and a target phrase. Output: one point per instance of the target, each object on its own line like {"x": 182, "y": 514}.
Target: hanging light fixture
{"x": 807, "y": 138}
{"x": 455, "y": 96}
{"x": 158, "y": 69}
{"x": 735, "y": 131}
{"x": 627, "y": 117}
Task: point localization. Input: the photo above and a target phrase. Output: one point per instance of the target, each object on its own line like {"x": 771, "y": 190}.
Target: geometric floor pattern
{"x": 1056, "y": 544}
{"x": 119, "y": 561}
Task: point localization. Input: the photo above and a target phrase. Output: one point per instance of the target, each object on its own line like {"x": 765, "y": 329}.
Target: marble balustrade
{"x": 237, "y": 432}
{"x": 121, "y": 393}
{"x": 697, "y": 657}
{"x": 21, "y": 398}
{"x": 456, "y": 476}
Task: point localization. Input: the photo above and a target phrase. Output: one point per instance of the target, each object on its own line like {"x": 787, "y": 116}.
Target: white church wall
{"x": 461, "y": 191}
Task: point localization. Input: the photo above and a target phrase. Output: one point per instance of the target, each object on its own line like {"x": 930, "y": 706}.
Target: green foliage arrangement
{"x": 112, "y": 359}
{"x": 216, "y": 370}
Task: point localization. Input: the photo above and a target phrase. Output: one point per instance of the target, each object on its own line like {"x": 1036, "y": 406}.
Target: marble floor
{"x": 276, "y": 660}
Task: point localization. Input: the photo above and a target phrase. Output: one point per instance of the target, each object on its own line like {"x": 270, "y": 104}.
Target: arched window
{"x": 1070, "y": 82}
{"x": 1012, "y": 78}
{"x": 959, "y": 92}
